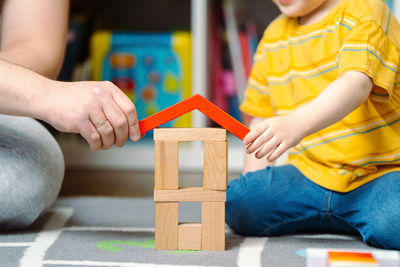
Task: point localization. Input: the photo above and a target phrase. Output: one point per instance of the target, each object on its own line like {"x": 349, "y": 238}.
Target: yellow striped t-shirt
{"x": 294, "y": 63}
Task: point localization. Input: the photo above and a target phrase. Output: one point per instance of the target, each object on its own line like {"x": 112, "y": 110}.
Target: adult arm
{"x": 33, "y": 34}
{"x": 69, "y": 106}
{"x": 32, "y": 48}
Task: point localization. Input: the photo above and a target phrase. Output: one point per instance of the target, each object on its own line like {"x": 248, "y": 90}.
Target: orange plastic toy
{"x": 204, "y": 106}
{"x": 345, "y": 258}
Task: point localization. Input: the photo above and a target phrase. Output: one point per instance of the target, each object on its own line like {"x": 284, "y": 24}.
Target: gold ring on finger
{"x": 101, "y": 123}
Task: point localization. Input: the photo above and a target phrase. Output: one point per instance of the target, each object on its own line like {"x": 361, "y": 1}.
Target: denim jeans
{"x": 281, "y": 200}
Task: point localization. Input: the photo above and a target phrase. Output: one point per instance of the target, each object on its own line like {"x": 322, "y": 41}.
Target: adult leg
{"x": 374, "y": 210}
{"x": 31, "y": 173}
{"x": 276, "y": 201}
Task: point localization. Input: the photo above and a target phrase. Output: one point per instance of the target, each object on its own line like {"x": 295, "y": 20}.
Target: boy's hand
{"x": 273, "y": 136}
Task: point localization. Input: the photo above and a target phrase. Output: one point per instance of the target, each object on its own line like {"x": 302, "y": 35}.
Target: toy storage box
{"x": 153, "y": 69}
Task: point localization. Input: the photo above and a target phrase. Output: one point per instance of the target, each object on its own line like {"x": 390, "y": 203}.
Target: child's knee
{"x": 234, "y": 206}
{"x": 384, "y": 236}
{"x": 241, "y": 209}
{"x": 383, "y": 231}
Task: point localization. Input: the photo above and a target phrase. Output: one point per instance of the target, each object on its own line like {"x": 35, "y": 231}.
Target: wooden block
{"x": 191, "y": 194}
{"x": 166, "y": 226}
{"x": 213, "y": 226}
{"x": 166, "y": 165}
{"x": 215, "y": 175}
{"x": 189, "y": 236}
{"x": 190, "y": 134}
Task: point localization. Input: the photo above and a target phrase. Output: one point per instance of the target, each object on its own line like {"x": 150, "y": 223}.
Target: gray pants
{"x": 31, "y": 171}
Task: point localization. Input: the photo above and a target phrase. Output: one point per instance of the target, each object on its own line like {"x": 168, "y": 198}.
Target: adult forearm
{"x": 70, "y": 106}
{"x": 339, "y": 99}
{"x": 22, "y": 91}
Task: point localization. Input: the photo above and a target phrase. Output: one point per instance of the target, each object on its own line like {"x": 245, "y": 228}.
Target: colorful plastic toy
{"x": 335, "y": 257}
{"x": 154, "y": 70}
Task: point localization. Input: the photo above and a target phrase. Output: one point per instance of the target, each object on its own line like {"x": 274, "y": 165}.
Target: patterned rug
{"x": 98, "y": 231}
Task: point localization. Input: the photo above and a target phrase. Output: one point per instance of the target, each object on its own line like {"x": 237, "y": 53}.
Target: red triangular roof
{"x": 195, "y": 102}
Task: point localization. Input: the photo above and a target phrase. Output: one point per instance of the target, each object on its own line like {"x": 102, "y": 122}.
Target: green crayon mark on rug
{"x": 112, "y": 246}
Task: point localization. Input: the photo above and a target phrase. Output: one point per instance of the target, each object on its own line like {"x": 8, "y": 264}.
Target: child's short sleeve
{"x": 257, "y": 98}
{"x": 368, "y": 49}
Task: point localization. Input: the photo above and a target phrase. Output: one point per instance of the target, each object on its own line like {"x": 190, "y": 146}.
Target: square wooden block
{"x": 189, "y": 236}
{"x": 166, "y": 226}
{"x": 215, "y": 169}
{"x": 213, "y": 226}
{"x": 166, "y": 165}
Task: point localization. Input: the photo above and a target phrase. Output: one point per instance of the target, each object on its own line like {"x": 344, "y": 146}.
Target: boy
{"x": 326, "y": 78}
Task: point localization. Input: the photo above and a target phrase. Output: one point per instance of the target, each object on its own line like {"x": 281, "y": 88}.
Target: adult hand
{"x": 273, "y": 136}
{"x": 99, "y": 111}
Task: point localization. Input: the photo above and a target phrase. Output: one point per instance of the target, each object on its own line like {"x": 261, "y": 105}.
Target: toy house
{"x": 210, "y": 233}
{"x": 169, "y": 233}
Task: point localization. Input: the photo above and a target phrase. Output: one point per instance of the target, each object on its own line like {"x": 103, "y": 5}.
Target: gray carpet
{"x": 104, "y": 232}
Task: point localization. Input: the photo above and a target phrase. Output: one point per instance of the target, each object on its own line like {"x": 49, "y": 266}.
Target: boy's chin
{"x": 295, "y": 8}
{"x": 291, "y": 12}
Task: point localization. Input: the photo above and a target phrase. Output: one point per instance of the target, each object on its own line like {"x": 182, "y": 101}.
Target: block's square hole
{"x": 191, "y": 156}
{"x": 189, "y": 212}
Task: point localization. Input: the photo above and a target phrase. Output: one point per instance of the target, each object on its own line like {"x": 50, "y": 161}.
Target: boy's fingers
{"x": 277, "y": 153}
{"x": 253, "y": 134}
{"x": 248, "y": 139}
{"x": 268, "y": 147}
{"x": 259, "y": 141}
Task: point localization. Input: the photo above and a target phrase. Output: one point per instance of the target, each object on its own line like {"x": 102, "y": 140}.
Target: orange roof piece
{"x": 204, "y": 106}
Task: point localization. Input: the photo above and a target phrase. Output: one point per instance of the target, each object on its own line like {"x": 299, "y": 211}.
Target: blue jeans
{"x": 281, "y": 200}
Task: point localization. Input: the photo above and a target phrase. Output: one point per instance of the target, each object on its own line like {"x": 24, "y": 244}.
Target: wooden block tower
{"x": 210, "y": 233}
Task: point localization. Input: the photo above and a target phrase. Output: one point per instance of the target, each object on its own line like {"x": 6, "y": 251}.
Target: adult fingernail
{"x": 135, "y": 136}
